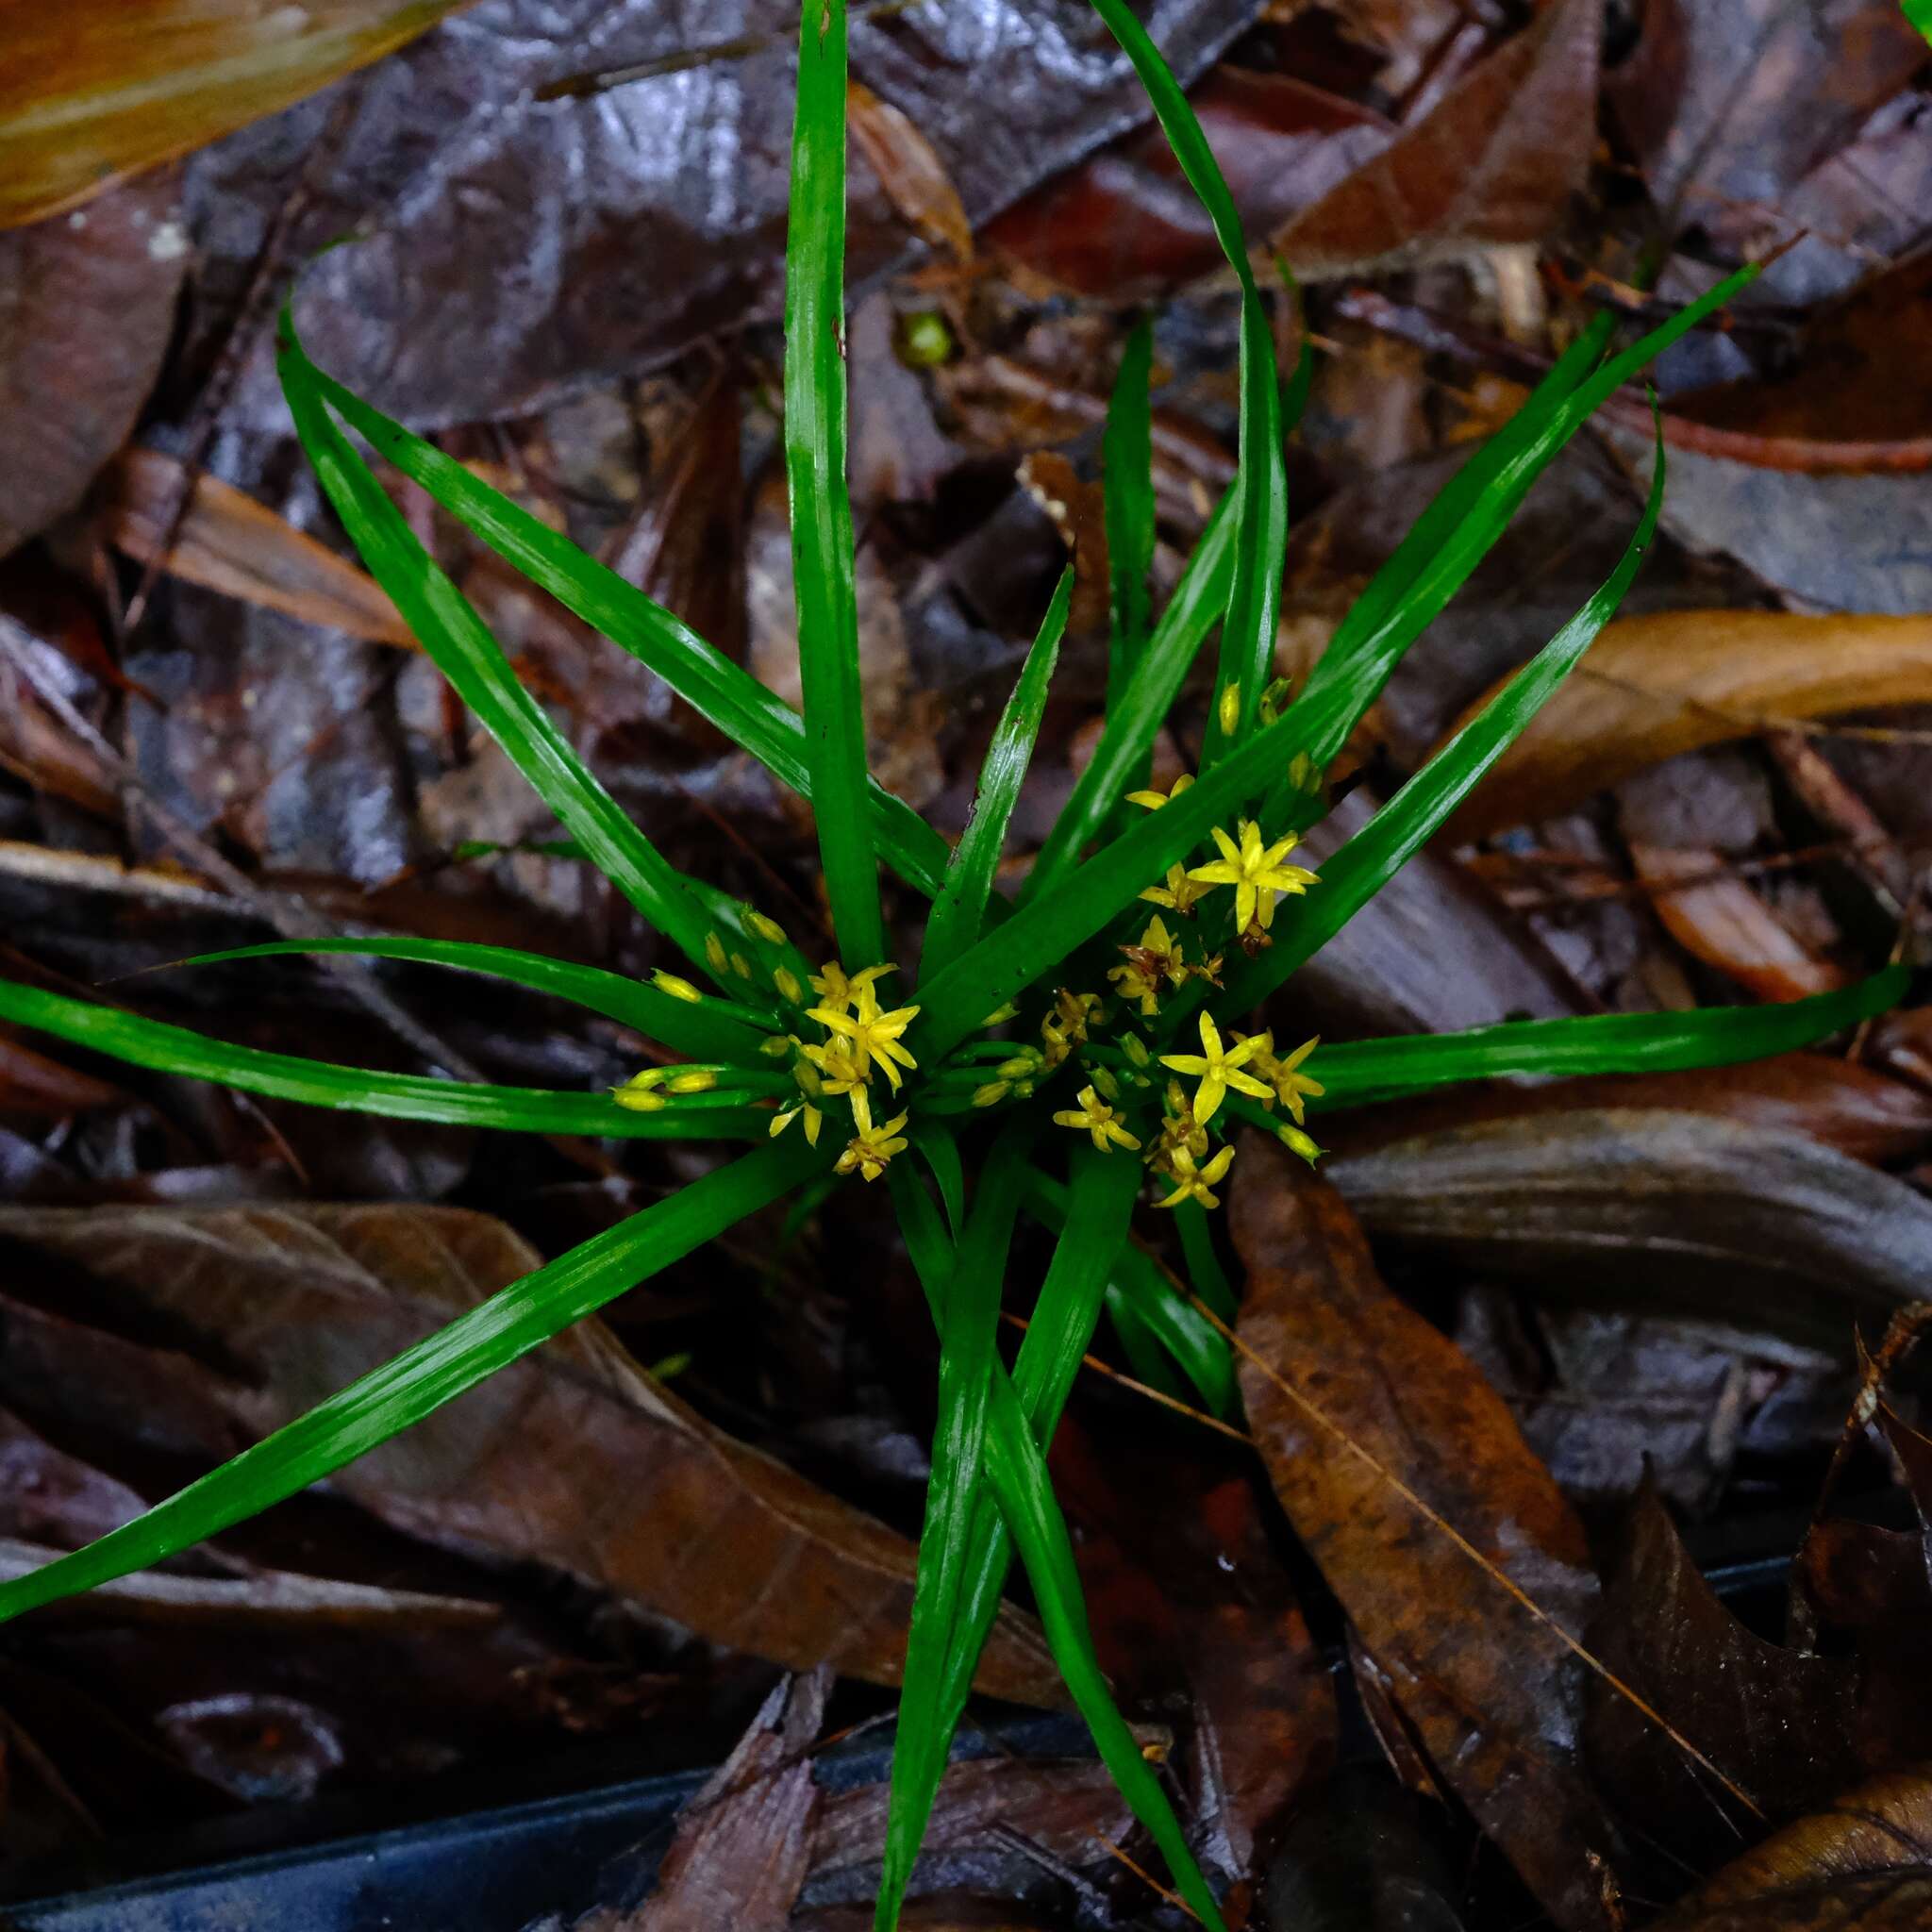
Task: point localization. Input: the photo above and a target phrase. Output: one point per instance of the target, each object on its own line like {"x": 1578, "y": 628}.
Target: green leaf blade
{"x": 1401, "y": 828}
{"x": 463, "y": 648}
{"x": 822, "y": 540}
{"x": 1254, "y": 605}
{"x": 387, "y": 1400}
{"x": 1363, "y": 1071}
{"x": 720, "y": 1114}
{"x": 1126, "y": 459}
{"x": 704, "y": 1029}
{"x": 752, "y": 716}
{"x": 960, "y": 911}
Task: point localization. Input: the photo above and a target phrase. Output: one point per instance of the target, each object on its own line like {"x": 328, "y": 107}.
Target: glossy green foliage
{"x": 492, "y": 1335}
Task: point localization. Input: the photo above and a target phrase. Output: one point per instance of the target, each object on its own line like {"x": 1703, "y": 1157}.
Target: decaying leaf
{"x": 1493, "y": 1693}
{"x": 1781, "y": 1722}
{"x": 227, "y": 541}
{"x": 1863, "y": 1866}
{"x": 1853, "y": 1109}
{"x": 744, "y": 1843}
{"x": 1493, "y": 162}
{"x": 1715, "y": 916}
{"x": 86, "y": 308}
{"x": 1679, "y": 1213}
{"x": 1652, "y": 687}
{"x": 91, "y": 93}
{"x": 572, "y": 1457}
{"x": 908, "y": 169}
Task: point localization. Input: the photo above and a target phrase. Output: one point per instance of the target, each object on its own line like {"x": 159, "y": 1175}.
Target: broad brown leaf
{"x": 1863, "y": 1866}
{"x": 1728, "y": 103}
{"x": 744, "y": 1843}
{"x": 92, "y": 90}
{"x": 1494, "y": 162}
{"x": 1782, "y": 1723}
{"x": 1838, "y": 1103}
{"x": 1677, "y": 1211}
{"x": 1652, "y": 687}
{"x": 227, "y": 541}
{"x": 1493, "y": 1691}
{"x": 86, "y": 308}
{"x": 572, "y": 1456}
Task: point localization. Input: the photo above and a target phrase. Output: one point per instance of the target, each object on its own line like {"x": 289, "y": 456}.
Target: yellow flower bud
{"x": 678, "y": 989}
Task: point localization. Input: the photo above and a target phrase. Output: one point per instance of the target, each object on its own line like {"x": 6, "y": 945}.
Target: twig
{"x": 1113, "y": 1374}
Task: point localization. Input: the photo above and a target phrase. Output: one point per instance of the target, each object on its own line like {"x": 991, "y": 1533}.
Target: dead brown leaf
{"x": 1721, "y": 921}
{"x": 1840, "y": 1102}
{"x": 92, "y": 91}
{"x": 86, "y": 308}
{"x": 227, "y": 542}
{"x": 1652, "y": 687}
{"x": 572, "y": 1457}
{"x": 1494, "y": 162}
{"x": 1681, "y": 1212}
{"x": 1783, "y": 1722}
{"x": 1864, "y": 1864}
{"x": 1493, "y": 1693}
{"x": 744, "y": 1843}
{"x": 909, "y": 170}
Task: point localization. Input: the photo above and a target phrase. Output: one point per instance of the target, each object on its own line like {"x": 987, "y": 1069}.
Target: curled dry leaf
{"x": 572, "y": 1456}
{"x": 1652, "y": 687}
{"x": 1863, "y": 1866}
{"x": 1783, "y": 1722}
{"x": 1679, "y": 1212}
{"x": 86, "y": 308}
{"x": 1841, "y": 1103}
{"x": 89, "y": 93}
{"x": 1491, "y": 1691}
{"x": 229, "y": 543}
{"x": 1495, "y": 162}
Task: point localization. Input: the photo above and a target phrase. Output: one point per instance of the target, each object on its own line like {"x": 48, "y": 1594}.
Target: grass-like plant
{"x": 1108, "y": 999}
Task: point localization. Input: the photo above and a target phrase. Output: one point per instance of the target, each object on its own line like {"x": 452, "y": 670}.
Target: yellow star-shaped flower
{"x": 1097, "y": 1119}
{"x": 1218, "y": 1069}
{"x": 873, "y": 1035}
{"x": 870, "y": 1151}
{"x": 1292, "y": 1086}
{"x": 838, "y": 989}
{"x": 1194, "y": 1183}
{"x": 1177, "y": 892}
{"x": 814, "y": 1120}
{"x": 1256, "y": 873}
{"x": 1154, "y": 800}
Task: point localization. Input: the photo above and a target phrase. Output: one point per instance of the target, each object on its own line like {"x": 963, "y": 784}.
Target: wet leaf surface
{"x": 681, "y": 232}
{"x": 1653, "y": 687}
{"x": 85, "y": 101}
{"x": 208, "y": 534}
{"x": 87, "y": 306}
{"x": 1492, "y": 163}
{"x": 1862, "y": 1864}
{"x": 303, "y": 1301}
{"x": 1492, "y": 1694}
{"x": 1675, "y": 1211}
{"x": 1782, "y": 1723}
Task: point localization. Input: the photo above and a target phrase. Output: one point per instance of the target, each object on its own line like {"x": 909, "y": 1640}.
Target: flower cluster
{"x": 840, "y": 1047}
